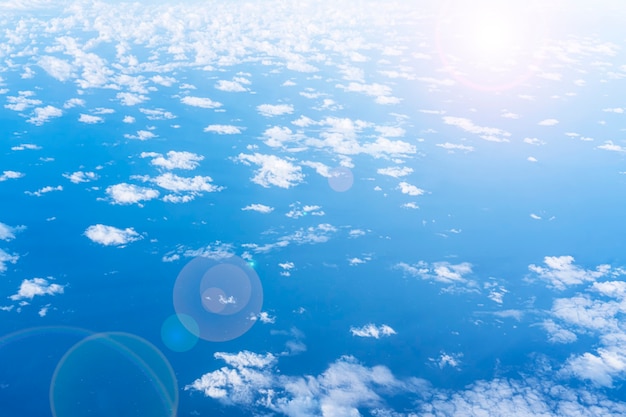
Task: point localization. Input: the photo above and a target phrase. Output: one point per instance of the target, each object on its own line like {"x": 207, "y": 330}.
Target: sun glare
{"x": 487, "y": 44}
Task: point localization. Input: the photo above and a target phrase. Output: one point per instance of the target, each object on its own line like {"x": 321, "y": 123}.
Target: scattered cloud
{"x": 610, "y": 146}
{"x": 80, "y": 176}
{"x": 205, "y": 103}
{"x": 10, "y": 175}
{"x": 223, "y": 129}
{"x": 560, "y": 272}
{"x": 444, "y": 272}
{"x": 455, "y": 146}
{"x": 395, "y": 172}
{"x": 130, "y": 194}
{"x": 111, "y": 236}
{"x": 44, "y": 190}
{"x": 43, "y": 114}
{"x": 409, "y": 189}
{"x": 270, "y": 110}
{"x": 89, "y": 119}
{"x": 31, "y": 288}
{"x": 261, "y": 208}
{"x": 174, "y": 160}
{"x": 6, "y": 258}
{"x": 487, "y": 133}
{"x": 548, "y": 122}
{"x": 371, "y": 330}
{"x": 273, "y": 170}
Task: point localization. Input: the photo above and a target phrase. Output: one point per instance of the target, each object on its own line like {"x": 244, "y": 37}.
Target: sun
{"x": 488, "y": 44}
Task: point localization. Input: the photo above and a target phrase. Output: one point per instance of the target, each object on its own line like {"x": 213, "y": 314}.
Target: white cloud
{"x": 261, "y": 208}
{"x": 43, "y": 114}
{"x": 409, "y": 189}
{"x": 395, "y": 172}
{"x": 561, "y": 272}
{"x": 235, "y": 86}
{"x": 223, "y": 129}
{"x": 128, "y": 119}
{"x": 57, "y": 68}
{"x": 6, "y": 258}
{"x": 444, "y": 272}
{"x": 380, "y": 91}
{"x": 610, "y": 146}
{"x": 453, "y": 146}
{"x": 371, "y": 330}
{"x": 534, "y": 141}
{"x": 141, "y": 135}
{"x": 25, "y": 146}
{"x": 205, "y": 103}
{"x": 80, "y": 176}
{"x": 343, "y": 389}
{"x": 445, "y": 360}
{"x": 157, "y": 114}
{"x": 270, "y": 110}
{"x": 31, "y": 288}
{"x": 10, "y": 175}
{"x": 618, "y": 110}
{"x": 131, "y": 99}
{"x": 8, "y": 232}
{"x": 487, "y": 133}
{"x": 548, "y": 122}
{"x": 22, "y": 101}
{"x": 89, "y": 119}
{"x": 175, "y": 183}
{"x": 111, "y": 236}
{"x": 74, "y": 102}
{"x": 273, "y": 170}
{"x": 130, "y": 194}
{"x": 44, "y": 190}
{"x": 174, "y": 160}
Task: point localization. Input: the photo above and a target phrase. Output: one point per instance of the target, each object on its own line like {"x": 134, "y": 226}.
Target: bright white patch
{"x": 36, "y": 286}
{"x": 371, "y": 330}
{"x": 89, "y": 119}
{"x": 6, "y": 258}
{"x": 174, "y": 160}
{"x": 269, "y": 110}
{"x": 223, "y": 129}
{"x": 130, "y": 194}
{"x": 273, "y": 170}
{"x": 10, "y": 175}
{"x": 409, "y": 189}
{"x": 205, "y": 103}
{"x": 111, "y": 236}
{"x": 261, "y": 208}
{"x": 80, "y": 176}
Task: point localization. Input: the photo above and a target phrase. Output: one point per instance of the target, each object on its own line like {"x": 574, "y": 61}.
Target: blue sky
{"x": 429, "y": 198}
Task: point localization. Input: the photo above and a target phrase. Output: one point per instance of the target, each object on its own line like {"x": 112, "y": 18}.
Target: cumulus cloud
{"x": 8, "y": 232}
{"x": 341, "y": 390}
{"x": 261, "y": 208}
{"x": 371, "y": 330}
{"x": 10, "y": 175}
{"x": 130, "y": 194}
{"x": 131, "y": 99}
{"x": 610, "y": 146}
{"x": 409, "y": 189}
{"x": 395, "y": 172}
{"x": 548, "y": 122}
{"x": 487, "y": 133}
{"x": 44, "y": 190}
{"x": 80, "y": 176}
{"x": 203, "y": 102}
{"x": 89, "y": 119}
{"x": 6, "y": 258}
{"x": 234, "y": 86}
{"x": 31, "y": 288}
{"x": 57, "y": 68}
{"x": 175, "y": 183}
{"x": 455, "y": 146}
{"x": 270, "y": 110}
{"x": 560, "y": 272}
{"x": 223, "y": 129}
{"x": 273, "y": 170}
{"x": 111, "y": 236}
{"x": 43, "y": 114}
{"x": 444, "y": 272}
{"x": 174, "y": 160}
